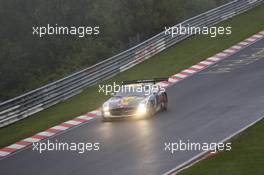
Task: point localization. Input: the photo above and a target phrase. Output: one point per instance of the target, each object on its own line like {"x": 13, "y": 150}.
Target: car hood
{"x": 122, "y": 102}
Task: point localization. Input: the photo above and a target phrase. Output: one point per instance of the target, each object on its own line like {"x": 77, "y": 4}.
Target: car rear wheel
{"x": 164, "y": 104}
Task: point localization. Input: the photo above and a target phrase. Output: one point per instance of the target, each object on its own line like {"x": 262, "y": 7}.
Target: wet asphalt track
{"x": 206, "y": 107}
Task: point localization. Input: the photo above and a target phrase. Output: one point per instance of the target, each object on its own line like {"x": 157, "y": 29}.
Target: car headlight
{"x": 142, "y": 109}
{"x": 107, "y": 113}
{"x": 106, "y": 108}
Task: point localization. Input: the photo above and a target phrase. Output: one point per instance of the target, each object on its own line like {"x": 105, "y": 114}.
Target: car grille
{"x": 123, "y": 111}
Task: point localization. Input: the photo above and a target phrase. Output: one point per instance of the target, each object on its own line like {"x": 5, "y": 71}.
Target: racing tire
{"x": 164, "y": 105}
{"x": 104, "y": 119}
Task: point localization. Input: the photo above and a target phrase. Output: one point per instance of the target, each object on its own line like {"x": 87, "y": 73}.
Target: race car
{"x": 136, "y": 99}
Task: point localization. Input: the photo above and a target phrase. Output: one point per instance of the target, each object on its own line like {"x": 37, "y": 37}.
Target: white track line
{"x": 186, "y": 163}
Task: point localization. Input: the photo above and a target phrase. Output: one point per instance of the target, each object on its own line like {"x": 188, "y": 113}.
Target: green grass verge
{"x": 175, "y": 59}
{"x": 246, "y": 156}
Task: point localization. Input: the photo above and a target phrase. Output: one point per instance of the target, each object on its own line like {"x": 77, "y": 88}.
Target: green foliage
{"x": 27, "y": 62}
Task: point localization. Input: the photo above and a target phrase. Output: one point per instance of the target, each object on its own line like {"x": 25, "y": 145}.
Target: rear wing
{"x": 154, "y": 81}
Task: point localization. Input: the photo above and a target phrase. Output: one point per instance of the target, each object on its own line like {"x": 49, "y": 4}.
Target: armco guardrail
{"x": 46, "y": 96}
